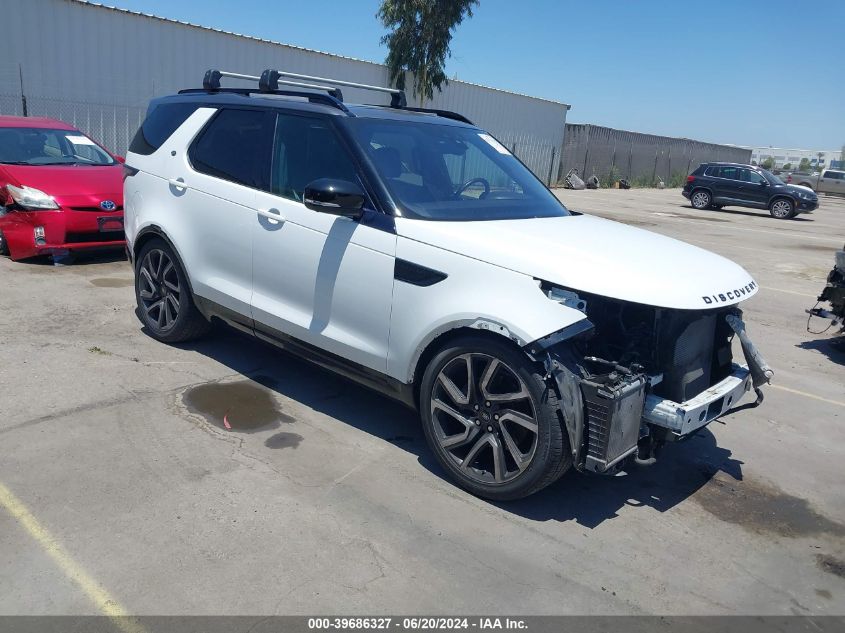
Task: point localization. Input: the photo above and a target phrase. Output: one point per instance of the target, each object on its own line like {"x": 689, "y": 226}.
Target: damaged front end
{"x": 632, "y": 377}
{"x": 834, "y": 294}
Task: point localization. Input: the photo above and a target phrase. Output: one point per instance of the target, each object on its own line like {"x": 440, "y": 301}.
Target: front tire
{"x": 492, "y": 421}
{"x": 700, "y": 199}
{"x": 782, "y": 209}
{"x": 165, "y": 305}
{"x": 4, "y": 248}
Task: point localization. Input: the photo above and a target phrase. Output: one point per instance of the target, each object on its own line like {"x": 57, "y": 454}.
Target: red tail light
{"x": 789, "y": 179}
{"x": 690, "y": 178}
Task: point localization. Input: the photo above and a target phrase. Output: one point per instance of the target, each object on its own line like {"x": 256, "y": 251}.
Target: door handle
{"x": 177, "y": 182}
{"x": 271, "y": 214}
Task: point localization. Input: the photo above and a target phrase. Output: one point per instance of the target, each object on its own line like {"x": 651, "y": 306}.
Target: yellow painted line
{"x": 808, "y": 395}
{"x": 105, "y": 603}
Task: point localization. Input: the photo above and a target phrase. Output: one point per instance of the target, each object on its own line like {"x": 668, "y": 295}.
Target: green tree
{"x": 804, "y": 165}
{"x": 420, "y": 33}
{"x": 767, "y": 163}
{"x": 788, "y": 166}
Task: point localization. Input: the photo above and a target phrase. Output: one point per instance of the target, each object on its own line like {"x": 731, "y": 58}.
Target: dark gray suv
{"x": 717, "y": 185}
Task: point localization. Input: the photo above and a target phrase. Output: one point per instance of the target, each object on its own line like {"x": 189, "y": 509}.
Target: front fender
{"x": 473, "y": 294}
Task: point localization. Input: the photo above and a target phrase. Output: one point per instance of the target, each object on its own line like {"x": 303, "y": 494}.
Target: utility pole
{"x": 23, "y": 94}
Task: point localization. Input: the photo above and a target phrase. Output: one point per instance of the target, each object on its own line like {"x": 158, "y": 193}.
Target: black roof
{"x": 310, "y": 102}
{"x": 718, "y": 162}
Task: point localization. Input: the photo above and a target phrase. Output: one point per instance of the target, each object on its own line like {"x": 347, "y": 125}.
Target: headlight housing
{"x": 30, "y": 198}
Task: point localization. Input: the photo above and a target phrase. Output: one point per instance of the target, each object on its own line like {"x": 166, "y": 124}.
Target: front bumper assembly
{"x": 682, "y": 418}
{"x": 607, "y": 422}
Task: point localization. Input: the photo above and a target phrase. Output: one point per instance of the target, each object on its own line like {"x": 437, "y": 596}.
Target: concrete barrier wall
{"x": 642, "y": 159}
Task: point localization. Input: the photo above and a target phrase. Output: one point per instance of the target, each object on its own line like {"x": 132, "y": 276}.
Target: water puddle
{"x": 762, "y": 508}
{"x": 284, "y": 440}
{"x": 112, "y": 282}
{"x": 244, "y": 406}
{"x": 831, "y": 565}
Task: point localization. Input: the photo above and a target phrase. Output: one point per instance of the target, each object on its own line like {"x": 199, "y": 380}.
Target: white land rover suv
{"x": 410, "y": 251}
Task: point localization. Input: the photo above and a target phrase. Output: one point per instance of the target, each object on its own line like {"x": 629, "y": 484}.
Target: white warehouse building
{"x": 121, "y": 59}
{"x": 819, "y": 159}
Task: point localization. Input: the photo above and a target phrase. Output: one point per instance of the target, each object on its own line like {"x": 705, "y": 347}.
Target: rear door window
{"x": 235, "y": 146}
{"x": 164, "y": 119}
{"x": 731, "y": 173}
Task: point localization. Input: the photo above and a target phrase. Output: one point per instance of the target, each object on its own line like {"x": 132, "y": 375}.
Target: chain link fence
{"x": 540, "y": 157}
{"x": 112, "y": 125}
{"x": 643, "y": 160}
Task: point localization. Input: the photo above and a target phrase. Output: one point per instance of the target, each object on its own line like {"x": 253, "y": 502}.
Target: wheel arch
{"x": 534, "y": 351}
{"x": 151, "y": 232}
{"x": 782, "y": 196}
{"x": 701, "y": 188}
{"x": 440, "y": 338}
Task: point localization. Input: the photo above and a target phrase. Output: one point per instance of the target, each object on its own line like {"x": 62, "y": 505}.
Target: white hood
{"x": 597, "y": 256}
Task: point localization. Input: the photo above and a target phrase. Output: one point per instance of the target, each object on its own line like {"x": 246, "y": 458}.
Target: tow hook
{"x": 761, "y": 373}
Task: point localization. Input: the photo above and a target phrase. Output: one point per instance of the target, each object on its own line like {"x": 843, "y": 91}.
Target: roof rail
{"x": 446, "y": 114}
{"x": 269, "y": 81}
{"x": 313, "y": 97}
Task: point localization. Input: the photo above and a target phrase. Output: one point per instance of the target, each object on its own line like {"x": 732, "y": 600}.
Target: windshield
{"x": 772, "y": 178}
{"x": 448, "y": 172}
{"x": 42, "y": 146}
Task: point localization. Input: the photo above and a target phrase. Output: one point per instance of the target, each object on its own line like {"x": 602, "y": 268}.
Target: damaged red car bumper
{"x": 32, "y": 233}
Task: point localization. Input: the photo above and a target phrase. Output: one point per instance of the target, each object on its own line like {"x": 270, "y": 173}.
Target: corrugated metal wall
{"x": 98, "y": 67}
{"x": 641, "y": 158}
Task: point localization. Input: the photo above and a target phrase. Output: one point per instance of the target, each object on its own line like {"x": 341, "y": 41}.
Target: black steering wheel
{"x": 467, "y": 184}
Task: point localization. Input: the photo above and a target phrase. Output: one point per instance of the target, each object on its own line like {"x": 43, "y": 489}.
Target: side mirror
{"x": 337, "y": 197}
{"x": 764, "y": 183}
{"x": 120, "y": 159}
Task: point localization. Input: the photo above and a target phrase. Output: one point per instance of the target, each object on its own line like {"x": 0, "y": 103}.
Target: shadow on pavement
{"x": 83, "y": 258}
{"x": 760, "y": 213}
{"x": 832, "y": 346}
{"x": 589, "y": 500}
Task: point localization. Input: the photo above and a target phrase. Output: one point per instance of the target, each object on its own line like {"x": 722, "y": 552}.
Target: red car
{"x": 59, "y": 190}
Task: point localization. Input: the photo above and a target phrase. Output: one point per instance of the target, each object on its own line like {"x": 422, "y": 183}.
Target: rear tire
{"x": 4, "y": 248}
{"x": 782, "y": 209}
{"x": 165, "y": 304}
{"x": 491, "y": 420}
{"x": 700, "y": 199}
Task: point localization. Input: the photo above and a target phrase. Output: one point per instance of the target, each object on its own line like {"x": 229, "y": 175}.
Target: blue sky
{"x": 749, "y": 72}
